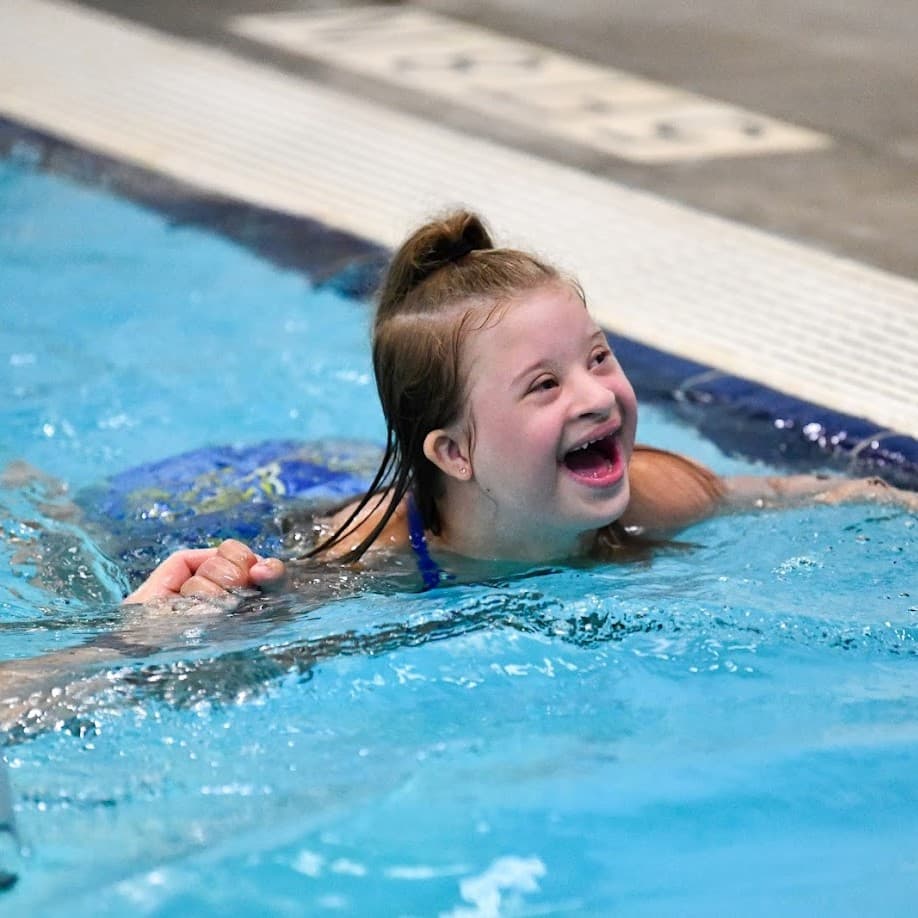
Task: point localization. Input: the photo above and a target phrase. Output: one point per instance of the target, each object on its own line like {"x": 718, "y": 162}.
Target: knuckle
{"x": 222, "y": 572}
{"x": 236, "y": 552}
{"x": 199, "y": 586}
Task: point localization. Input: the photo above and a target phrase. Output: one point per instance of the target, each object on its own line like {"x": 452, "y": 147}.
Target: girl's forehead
{"x": 544, "y": 324}
{"x": 551, "y": 314}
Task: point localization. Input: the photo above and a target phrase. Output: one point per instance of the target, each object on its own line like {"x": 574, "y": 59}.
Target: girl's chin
{"x": 609, "y": 508}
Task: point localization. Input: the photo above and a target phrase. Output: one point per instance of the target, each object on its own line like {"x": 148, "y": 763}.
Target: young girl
{"x": 511, "y": 434}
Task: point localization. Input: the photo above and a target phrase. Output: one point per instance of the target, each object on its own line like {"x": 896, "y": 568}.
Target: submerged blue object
{"x": 243, "y": 492}
{"x": 212, "y": 478}
{"x": 214, "y": 493}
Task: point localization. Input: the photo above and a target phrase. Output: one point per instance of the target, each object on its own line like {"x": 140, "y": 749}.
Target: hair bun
{"x": 432, "y": 247}
{"x": 449, "y": 240}
{"x": 444, "y": 251}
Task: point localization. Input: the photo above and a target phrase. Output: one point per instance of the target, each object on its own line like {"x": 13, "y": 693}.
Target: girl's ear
{"x": 448, "y": 455}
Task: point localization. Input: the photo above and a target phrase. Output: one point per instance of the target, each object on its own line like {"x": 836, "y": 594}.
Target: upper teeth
{"x": 585, "y": 445}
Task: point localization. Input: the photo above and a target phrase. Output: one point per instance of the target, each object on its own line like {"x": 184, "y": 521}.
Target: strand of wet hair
{"x": 379, "y": 487}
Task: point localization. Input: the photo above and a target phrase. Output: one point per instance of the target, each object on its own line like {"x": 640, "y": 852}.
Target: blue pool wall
{"x": 742, "y": 417}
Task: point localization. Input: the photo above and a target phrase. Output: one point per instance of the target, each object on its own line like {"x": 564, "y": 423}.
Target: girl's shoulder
{"x": 669, "y": 492}
{"x": 393, "y": 536}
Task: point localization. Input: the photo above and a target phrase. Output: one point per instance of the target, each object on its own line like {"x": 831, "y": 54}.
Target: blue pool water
{"x": 729, "y": 729}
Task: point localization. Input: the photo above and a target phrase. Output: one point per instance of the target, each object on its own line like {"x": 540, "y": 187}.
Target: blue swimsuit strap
{"x": 431, "y": 572}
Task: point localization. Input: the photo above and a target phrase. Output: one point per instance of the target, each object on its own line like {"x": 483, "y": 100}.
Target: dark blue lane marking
{"x": 740, "y": 416}
{"x": 748, "y": 419}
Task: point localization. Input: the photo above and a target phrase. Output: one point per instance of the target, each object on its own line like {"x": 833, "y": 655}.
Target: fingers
{"x": 268, "y": 572}
{"x": 869, "y": 490}
{"x": 227, "y": 569}
{"x": 223, "y": 573}
{"x": 201, "y": 586}
{"x": 237, "y": 553}
{"x": 253, "y": 569}
{"x": 209, "y": 572}
{"x": 167, "y": 579}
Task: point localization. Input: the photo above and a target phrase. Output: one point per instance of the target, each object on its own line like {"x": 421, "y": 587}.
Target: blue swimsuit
{"x": 431, "y": 572}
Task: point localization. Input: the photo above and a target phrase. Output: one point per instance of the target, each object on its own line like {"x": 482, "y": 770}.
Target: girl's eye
{"x": 601, "y": 356}
{"x": 544, "y": 384}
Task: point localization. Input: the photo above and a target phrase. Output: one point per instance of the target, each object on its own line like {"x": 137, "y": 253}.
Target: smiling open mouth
{"x": 596, "y": 463}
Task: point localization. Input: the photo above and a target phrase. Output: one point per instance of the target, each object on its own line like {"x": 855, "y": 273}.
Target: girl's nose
{"x": 594, "y": 397}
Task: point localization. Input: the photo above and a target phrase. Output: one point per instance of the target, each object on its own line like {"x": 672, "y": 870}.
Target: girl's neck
{"x": 475, "y": 531}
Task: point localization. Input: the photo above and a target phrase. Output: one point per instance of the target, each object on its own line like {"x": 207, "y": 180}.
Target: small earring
{"x": 463, "y": 471}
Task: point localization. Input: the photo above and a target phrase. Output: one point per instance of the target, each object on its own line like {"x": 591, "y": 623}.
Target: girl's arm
{"x": 183, "y": 593}
{"x": 670, "y": 492}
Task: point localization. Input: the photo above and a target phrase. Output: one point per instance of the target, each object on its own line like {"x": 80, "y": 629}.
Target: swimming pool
{"x": 731, "y": 728}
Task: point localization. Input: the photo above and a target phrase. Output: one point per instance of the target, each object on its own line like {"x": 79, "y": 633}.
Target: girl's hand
{"x": 749, "y": 492}
{"x": 211, "y": 572}
{"x": 874, "y": 490}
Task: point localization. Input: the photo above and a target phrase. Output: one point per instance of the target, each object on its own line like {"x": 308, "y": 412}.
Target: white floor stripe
{"x": 820, "y": 327}
{"x": 504, "y": 78}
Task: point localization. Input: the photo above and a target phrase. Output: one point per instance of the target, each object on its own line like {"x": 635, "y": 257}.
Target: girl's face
{"x": 552, "y": 420}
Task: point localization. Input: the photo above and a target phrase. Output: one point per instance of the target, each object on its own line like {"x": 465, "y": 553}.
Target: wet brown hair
{"x": 446, "y": 280}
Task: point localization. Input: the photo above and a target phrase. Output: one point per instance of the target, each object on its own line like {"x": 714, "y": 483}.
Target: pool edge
{"x": 740, "y": 416}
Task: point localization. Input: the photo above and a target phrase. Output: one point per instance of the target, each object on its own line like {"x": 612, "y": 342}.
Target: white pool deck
{"x": 825, "y": 329}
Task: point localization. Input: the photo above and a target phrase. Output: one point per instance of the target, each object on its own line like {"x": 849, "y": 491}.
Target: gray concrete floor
{"x": 847, "y": 68}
